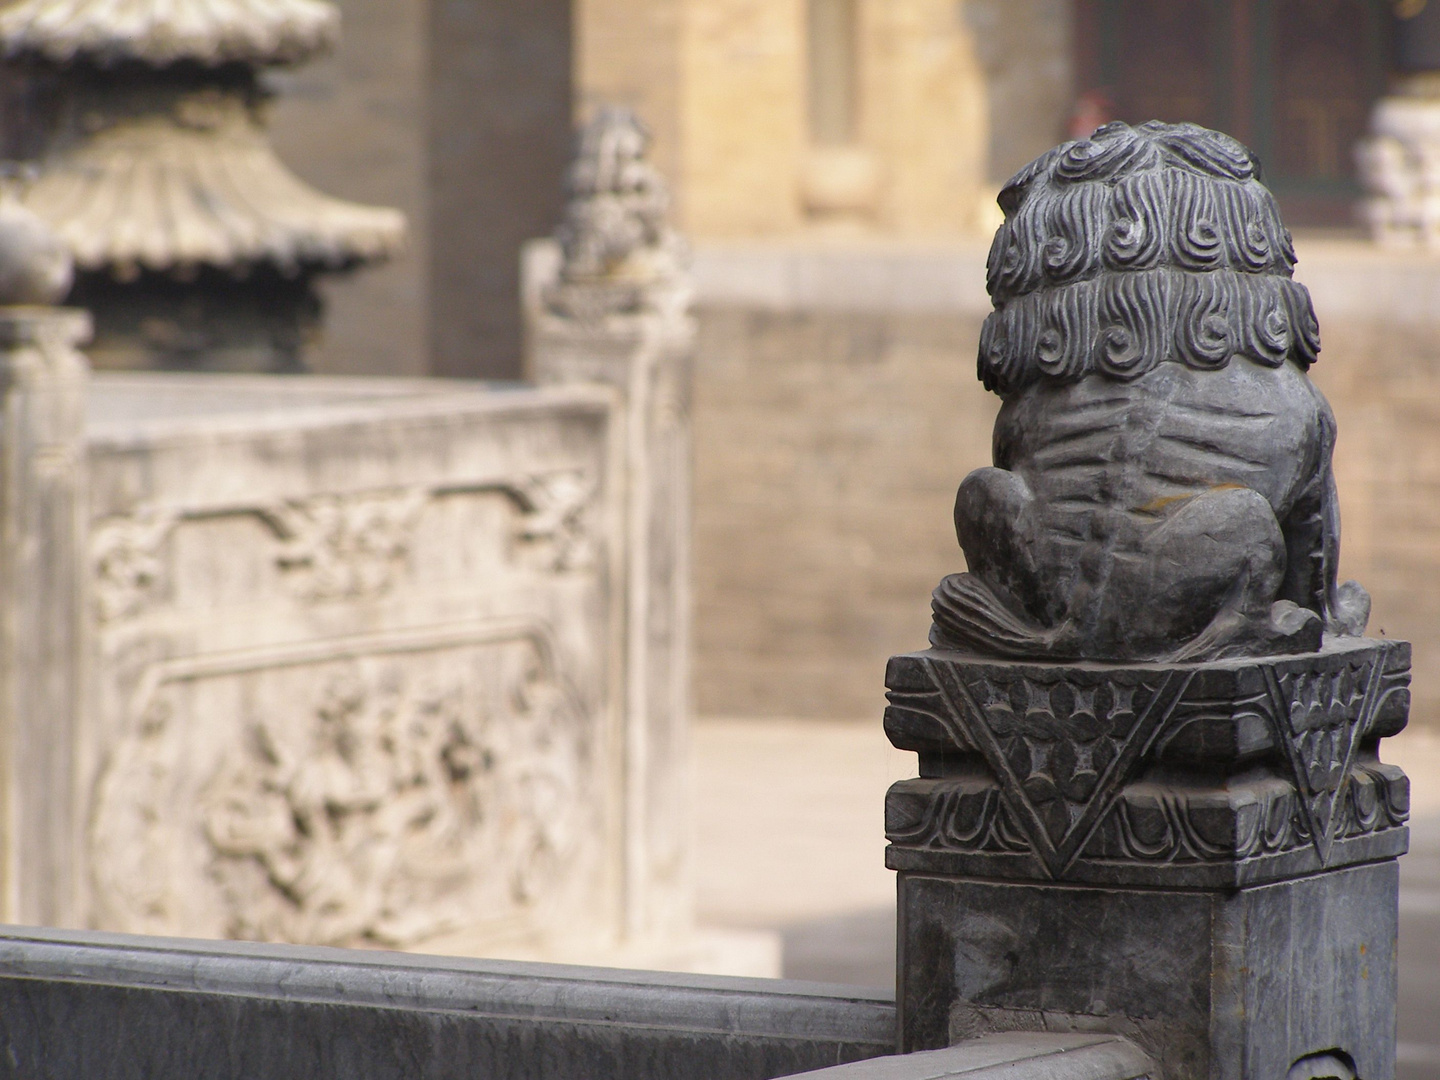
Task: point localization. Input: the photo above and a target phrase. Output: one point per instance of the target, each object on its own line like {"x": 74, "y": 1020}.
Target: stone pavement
{"x": 791, "y": 838}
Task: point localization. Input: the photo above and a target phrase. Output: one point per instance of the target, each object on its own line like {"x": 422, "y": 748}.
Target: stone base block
{"x": 1220, "y": 775}
{"x": 1214, "y": 984}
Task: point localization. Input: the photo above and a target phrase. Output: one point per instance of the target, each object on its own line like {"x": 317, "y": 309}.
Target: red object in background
{"x": 1093, "y": 109}
{"x": 1292, "y": 79}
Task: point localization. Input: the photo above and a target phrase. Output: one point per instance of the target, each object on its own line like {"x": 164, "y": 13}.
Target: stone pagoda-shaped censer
{"x": 135, "y": 128}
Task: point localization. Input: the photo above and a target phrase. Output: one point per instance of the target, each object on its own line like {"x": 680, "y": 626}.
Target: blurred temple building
{"x": 834, "y": 163}
{"x": 860, "y": 120}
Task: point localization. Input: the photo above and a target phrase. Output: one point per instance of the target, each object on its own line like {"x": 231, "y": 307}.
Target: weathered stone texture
{"x": 42, "y": 494}
{"x": 1215, "y": 775}
{"x": 348, "y": 675}
{"x": 114, "y": 1007}
{"x": 1222, "y": 985}
{"x": 1026, "y": 1055}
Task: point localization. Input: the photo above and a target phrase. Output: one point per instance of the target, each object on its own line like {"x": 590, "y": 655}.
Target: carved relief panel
{"x": 351, "y": 679}
{"x": 377, "y": 790}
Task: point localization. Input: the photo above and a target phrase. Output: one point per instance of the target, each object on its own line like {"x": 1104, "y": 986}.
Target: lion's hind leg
{"x": 1214, "y": 570}
{"x": 988, "y": 609}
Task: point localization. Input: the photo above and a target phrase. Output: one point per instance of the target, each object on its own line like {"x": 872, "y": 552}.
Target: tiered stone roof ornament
{"x": 194, "y": 244}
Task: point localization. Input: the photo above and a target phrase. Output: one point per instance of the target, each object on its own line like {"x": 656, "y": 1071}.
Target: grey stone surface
{"x": 1162, "y": 483}
{"x": 1218, "y": 984}
{"x": 42, "y": 499}
{"x": 1011, "y": 1056}
{"x": 1196, "y": 798}
{"x": 103, "y": 1006}
{"x": 1219, "y": 774}
{"x": 608, "y": 304}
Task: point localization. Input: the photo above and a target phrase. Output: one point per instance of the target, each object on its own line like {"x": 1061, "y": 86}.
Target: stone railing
{"x": 316, "y": 661}
{"x": 347, "y": 666}
{"x": 353, "y": 662}
{"x": 103, "y": 1006}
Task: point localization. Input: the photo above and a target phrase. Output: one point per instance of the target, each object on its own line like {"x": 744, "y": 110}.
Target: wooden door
{"x": 1294, "y": 79}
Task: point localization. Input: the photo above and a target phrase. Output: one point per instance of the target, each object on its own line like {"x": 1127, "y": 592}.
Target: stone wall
{"x": 354, "y": 125}
{"x": 837, "y": 409}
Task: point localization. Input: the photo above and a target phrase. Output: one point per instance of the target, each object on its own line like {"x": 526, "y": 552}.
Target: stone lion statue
{"x": 1162, "y": 486}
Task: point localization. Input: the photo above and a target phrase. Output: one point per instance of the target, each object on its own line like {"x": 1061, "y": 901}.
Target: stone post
{"x": 1400, "y": 159}
{"x": 42, "y": 471}
{"x": 1150, "y": 798}
{"x": 611, "y": 306}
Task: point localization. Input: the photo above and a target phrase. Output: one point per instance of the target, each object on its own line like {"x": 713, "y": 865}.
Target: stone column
{"x": 1198, "y": 856}
{"x": 1400, "y": 160}
{"x": 42, "y": 470}
{"x": 1150, "y": 799}
{"x": 610, "y": 305}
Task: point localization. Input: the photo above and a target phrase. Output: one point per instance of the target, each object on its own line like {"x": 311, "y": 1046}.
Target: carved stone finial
{"x": 616, "y": 243}
{"x": 35, "y": 267}
{"x": 1149, "y": 728}
{"x": 1162, "y": 486}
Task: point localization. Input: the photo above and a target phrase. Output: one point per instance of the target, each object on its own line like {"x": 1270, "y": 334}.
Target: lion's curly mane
{"x": 1137, "y": 246}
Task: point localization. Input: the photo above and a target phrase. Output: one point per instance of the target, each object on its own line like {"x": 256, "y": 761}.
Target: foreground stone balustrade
{"x": 110, "y": 1006}
{"x": 103, "y": 1006}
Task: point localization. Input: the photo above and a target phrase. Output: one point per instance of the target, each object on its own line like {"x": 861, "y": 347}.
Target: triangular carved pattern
{"x": 1061, "y": 752}
{"x": 1319, "y": 718}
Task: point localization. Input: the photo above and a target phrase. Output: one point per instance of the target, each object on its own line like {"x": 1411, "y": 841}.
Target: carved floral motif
{"x": 346, "y": 546}
{"x": 553, "y": 524}
{"x": 400, "y": 800}
{"x": 1146, "y": 765}
{"x": 127, "y": 564}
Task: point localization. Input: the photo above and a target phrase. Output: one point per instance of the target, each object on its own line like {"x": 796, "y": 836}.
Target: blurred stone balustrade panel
{"x": 349, "y": 666}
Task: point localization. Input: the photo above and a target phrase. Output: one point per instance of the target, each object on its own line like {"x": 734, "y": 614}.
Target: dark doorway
{"x": 1294, "y": 79}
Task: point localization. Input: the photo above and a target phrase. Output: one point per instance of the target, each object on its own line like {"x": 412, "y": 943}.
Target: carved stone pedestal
{"x": 1198, "y": 856}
